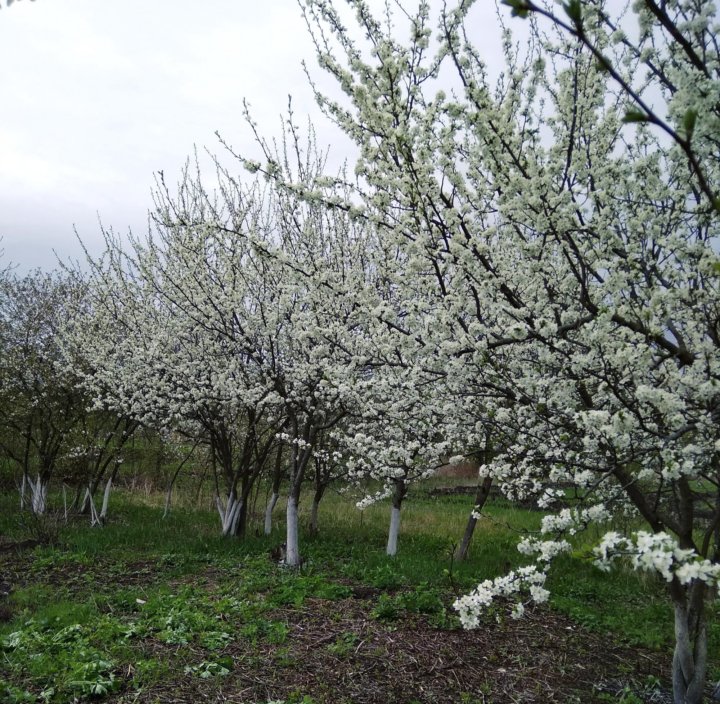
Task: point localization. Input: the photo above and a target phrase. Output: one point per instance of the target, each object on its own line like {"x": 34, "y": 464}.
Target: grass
{"x": 125, "y": 608}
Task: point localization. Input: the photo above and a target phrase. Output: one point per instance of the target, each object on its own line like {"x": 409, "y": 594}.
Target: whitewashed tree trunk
{"x": 292, "y": 546}
{"x": 220, "y": 508}
{"x": 269, "y": 511}
{"x": 399, "y": 493}
{"x": 23, "y": 487}
{"x": 85, "y": 506}
{"x": 89, "y": 501}
{"x": 299, "y": 465}
{"x": 689, "y": 666}
{"x": 106, "y": 499}
{"x": 394, "y": 531}
{"x": 230, "y": 513}
{"x": 38, "y": 495}
{"x": 235, "y": 517}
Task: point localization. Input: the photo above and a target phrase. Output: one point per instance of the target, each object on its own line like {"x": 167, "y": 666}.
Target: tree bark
{"x": 269, "y": 511}
{"x": 300, "y": 459}
{"x": 231, "y": 514}
{"x": 38, "y": 495}
{"x": 292, "y": 546}
{"x": 23, "y": 485}
{"x": 94, "y": 518}
{"x": 689, "y": 666}
{"x": 106, "y": 498}
{"x": 317, "y": 497}
{"x": 106, "y": 494}
{"x": 394, "y": 532}
{"x": 244, "y": 510}
{"x": 277, "y": 477}
{"x": 481, "y": 497}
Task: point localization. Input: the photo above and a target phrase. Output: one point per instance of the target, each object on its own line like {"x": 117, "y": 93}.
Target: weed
{"x": 385, "y": 577}
{"x": 421, "y": 600}
{"x": 45, "y": 528}
{"x": 148, "y": 671}
{"x": 285, "y": 658}
{"x": 211, "y": 668}
{"x": 274, "y": 632}
{"x": 343, "y": 645}
{"x": 296, "y": 588}
{"x": 61, "y": 659}
{"x": 14, "y": 695}
{"x": 386, "y": 609}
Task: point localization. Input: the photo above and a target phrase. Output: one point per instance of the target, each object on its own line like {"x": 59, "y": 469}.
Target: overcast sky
{"x": 98, "y": 95}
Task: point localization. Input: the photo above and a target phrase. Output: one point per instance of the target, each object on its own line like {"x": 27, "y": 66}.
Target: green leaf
{"x": 519, "y": 8}
{"x": 603, "y": 64}
{"x": 635, "y": 116}
{"x": 573, "y": 9}
{"x": 689, "y": 122}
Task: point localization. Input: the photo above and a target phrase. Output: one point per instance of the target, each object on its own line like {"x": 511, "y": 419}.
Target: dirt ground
{"x": 336, "y": 652}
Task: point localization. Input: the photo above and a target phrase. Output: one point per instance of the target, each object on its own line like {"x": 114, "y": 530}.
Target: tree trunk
{"x": 38, "y": 495}
{"x": 394, "y": 532}
{"x": 94, "y": 518}
{"x": 23, "y": 486}
{"x": 234, "y": 518}
{"x": 268, "y": 512}
{"x": 480, "y": 498}
{"x": 26, "y": 481}
{"x": 300, "y": 459}
{"x": 91, "y": 489}
{"x": 277, "y": 478}
{"x": 292, "y": 547}
{"x": 85, "y": 505}
{"x": 231, "y": 514}
{"x": 168, "y": 498}
{"x": 244, "y": 511}
{"x": 106, "y": 498}
{"x": 317, "y": 497}
{"x": 689, "y": 666}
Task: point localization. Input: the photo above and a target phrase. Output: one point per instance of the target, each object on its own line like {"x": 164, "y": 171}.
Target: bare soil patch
{"x": 337, "y": 651}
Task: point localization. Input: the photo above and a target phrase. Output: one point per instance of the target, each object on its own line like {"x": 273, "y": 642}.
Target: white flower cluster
{"x": 525, "y": 580}
{"x": 546, "y": 550}
{"x": 656, "y": 552}
{"x": 300, "y": 443}
{"x": 572, "y": 520}
{"x": 374, "y": 498}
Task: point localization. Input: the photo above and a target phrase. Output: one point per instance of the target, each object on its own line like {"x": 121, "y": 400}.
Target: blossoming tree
{"x": 170, "y": 340}
{"x": 572, "y": 246}
{"x": 41, "y": 408}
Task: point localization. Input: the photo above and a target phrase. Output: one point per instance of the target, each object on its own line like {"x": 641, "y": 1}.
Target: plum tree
{"x": 568, "y": 217}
